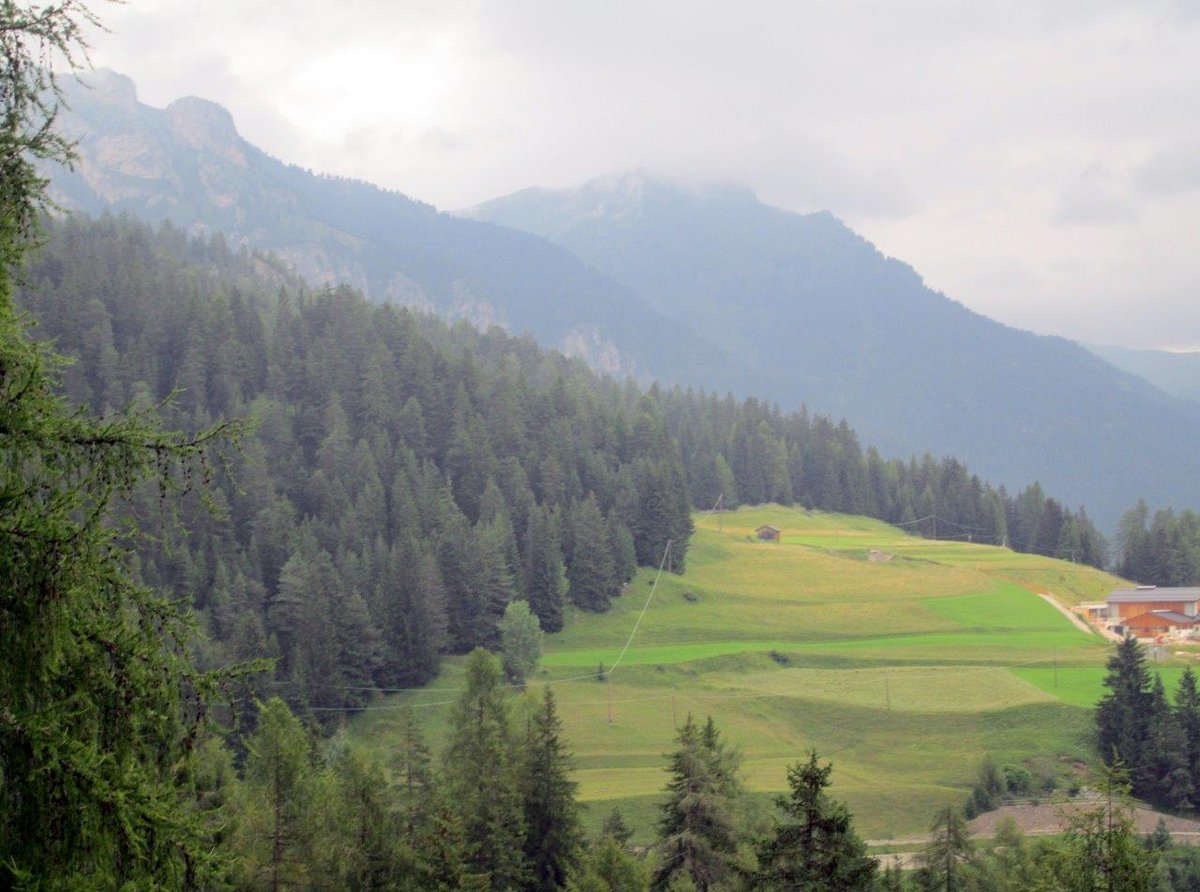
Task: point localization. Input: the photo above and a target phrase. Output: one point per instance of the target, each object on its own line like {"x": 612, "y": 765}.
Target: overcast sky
{"x": 1038, "y": 162}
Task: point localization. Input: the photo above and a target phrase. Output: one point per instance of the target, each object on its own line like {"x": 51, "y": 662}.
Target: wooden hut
{"x": 768, "y": 533}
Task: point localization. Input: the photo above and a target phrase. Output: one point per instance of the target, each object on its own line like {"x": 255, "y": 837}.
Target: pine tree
{"x": 360, "y": 841}
{"x": 817, "y": 848}
{"x": 591, "y": 575}
{"x": 1101, "y": 850}
{"x": 1164, "y": 767}
{"x": 607, "y": 867}
{"x": 552, "y": 834}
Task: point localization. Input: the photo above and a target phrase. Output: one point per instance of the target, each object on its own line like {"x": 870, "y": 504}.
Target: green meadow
{"x": 903, "y": 672}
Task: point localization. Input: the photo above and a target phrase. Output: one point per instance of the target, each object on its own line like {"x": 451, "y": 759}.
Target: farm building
{"x": 768, "y": 533}
{"x": 1124, "y": 604}
{"x": 1127, "y": 603}
{"x": 1159, "y": 622}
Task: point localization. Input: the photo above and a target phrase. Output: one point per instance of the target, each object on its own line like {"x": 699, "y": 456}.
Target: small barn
{"x": 768, "y": 533}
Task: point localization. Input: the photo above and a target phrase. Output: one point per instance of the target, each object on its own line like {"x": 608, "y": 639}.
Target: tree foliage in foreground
{"x": 696, "y": 828}
{"x": 101, "y": 708}
{"x": 815, "y": 848}
{"x": 1157, "y": 742}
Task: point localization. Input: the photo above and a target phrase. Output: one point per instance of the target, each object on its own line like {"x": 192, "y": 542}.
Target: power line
{"x": 645, "y": 607}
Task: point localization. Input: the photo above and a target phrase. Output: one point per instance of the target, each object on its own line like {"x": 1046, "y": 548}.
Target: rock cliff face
{"x": 188, "y": 164}
{"x": 167, "y": 163}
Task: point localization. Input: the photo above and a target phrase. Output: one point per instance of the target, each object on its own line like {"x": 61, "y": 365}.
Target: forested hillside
{"x": 405, "y": 480}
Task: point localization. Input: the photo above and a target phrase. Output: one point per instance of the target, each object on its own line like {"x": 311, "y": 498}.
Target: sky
{"x": 1037, "y": 161}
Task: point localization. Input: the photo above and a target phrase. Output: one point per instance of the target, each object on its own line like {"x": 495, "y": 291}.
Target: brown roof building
{"x": 768, "y": 533}
{"x": 1158, "y": 622}
{"x": 1124, "y": 604}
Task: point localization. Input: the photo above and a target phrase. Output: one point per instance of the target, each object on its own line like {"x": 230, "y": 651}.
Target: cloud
{"x": 959, "y": 137}
{"x": 1171, "y": 171}
{"x": 1096, "y": 197}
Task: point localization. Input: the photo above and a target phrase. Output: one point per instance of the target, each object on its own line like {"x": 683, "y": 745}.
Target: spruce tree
{"x": 1101, "y": 849}
{"x": 816, "y": 848}
{"x": 552, "y": 833}
{"x": 1187, "y": 716}
{"x": 520, "y": 642}
{"x": 482, "y": 780}
{"x": 545, "y": 575}
{"x": 591, "y": 574}
{"x": 1123, "y": 713}
{"x": 696, "y": 828}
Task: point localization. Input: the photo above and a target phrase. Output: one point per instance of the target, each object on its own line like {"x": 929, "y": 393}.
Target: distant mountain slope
{"x": 1176, "y": 373}
{"x": 188, "y": 164}
{"x": 824, "y": 318}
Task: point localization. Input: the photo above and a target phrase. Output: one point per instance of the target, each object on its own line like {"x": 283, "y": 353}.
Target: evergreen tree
{"x": 947, "y": 850}
{"x": 696, "y": 828}
{"x": 816, "y": 849}
{"x": 275, "y": 829}
{"x": 614, "y": 827}
{"x": 545, "y": 575}
{"x": 552, "y": 834}
{"x": 413, "y": 772}
{"x": 1187, "y": 717}
{"x": 482, "y": 780}
{"x": 1101, "y": 851}
{"x": 1122, "y": 714}
{"x": 591, "y": 575}
{"x": 360, "y": 841}
{"x": 1164, "y": 759}
{"x": 607, "y": 867}
{"x": 100, "y": 705}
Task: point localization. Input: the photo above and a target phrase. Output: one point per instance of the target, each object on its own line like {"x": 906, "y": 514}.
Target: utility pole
{"x": 608, "y": 684}
{"x": 887, "y": 691}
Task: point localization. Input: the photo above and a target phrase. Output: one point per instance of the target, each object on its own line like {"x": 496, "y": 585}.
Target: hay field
{"x": 904, "y": 673}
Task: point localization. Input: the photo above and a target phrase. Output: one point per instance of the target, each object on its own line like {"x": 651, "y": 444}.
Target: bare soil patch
{"x": 1044, "y": 818}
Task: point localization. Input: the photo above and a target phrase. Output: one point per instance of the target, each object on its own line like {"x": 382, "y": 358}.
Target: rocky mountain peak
{"x": 206, "y": 127}
{"x": 107, "y": 87}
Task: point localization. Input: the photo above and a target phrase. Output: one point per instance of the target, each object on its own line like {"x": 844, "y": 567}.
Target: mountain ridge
{"x": 187, "y": 163}
{"x": 706, "y": 287}
{"x": 823, "y": 317}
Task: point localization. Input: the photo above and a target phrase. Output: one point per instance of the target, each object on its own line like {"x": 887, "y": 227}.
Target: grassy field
{"x": 904, "y": 673}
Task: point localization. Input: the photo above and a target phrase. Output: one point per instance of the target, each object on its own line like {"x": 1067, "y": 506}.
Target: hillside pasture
{"x": 903, "y": 673}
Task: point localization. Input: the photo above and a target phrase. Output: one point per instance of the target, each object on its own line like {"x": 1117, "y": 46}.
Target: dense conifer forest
{"x": 403, "y": 479}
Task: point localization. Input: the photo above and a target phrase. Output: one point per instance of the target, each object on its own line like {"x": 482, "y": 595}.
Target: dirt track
{"x": 1039, "y": 820}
